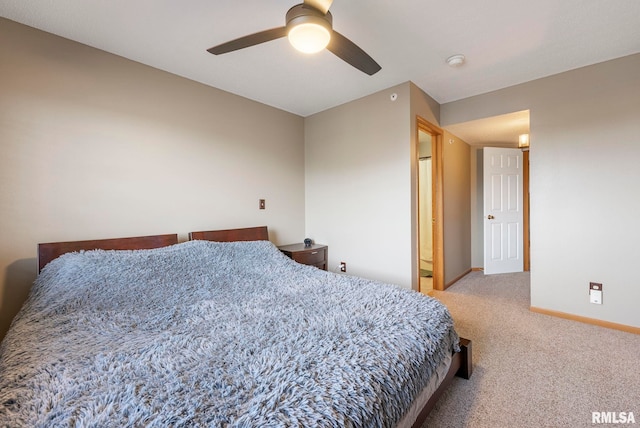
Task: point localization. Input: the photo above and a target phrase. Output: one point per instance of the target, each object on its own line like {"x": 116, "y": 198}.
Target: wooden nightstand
{"x": 314, "y": 255}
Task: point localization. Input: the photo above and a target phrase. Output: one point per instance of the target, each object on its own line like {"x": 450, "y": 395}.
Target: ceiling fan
{"x": 309, "y": 29}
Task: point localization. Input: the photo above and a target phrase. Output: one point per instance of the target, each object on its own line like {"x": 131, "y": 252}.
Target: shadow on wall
{"x": 17, "y": 284}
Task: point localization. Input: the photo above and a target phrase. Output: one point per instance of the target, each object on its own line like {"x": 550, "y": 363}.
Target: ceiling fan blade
{"x": 348, "y": 51}
{"x": 322, "y": 5}
{"x": 250, "y": 40}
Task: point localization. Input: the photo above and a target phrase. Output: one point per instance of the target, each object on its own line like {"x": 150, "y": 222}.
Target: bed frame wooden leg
{"x": 466, "y": 363}
{"x": 462, "y": 363}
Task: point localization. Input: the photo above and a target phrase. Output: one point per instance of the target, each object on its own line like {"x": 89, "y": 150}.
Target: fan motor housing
{"x": 303, "y": 13}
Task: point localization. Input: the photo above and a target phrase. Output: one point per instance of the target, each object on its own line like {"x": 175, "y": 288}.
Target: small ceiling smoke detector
{"x": 455, "y": 60}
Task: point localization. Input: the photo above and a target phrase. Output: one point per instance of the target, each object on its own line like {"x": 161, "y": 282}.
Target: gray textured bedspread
{"x": 215, "y": 334}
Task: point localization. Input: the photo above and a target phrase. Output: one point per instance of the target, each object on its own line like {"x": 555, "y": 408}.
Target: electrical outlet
{"x": 343, "y": 266}
{"x": 595, "y": 293}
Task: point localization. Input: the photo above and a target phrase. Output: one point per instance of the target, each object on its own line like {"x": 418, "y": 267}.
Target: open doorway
{"x": 500, "y": 131}
{"x": 425, "y": 211}
{"x": 430, "y": 231}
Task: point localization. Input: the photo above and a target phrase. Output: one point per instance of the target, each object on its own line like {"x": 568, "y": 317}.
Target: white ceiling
{"x": 505, "y": 42}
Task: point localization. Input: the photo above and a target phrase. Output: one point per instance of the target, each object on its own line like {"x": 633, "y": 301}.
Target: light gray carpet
{"x": 533, "y": 370}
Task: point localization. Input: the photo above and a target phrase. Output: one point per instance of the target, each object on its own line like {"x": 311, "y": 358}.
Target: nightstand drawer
{"x": 315, "y": 255}
{"x": 311, "y": 257}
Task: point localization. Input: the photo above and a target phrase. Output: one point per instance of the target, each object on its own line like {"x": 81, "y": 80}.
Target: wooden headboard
{"x": 259, "y": 233}
{"x": 52, "y": 250}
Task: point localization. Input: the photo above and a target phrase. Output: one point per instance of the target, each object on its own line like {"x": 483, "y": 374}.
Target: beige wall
{"x": 93, "y": 146}
{"x": 358, "y": 185}
{"x": 584, "y": 181}
{"x": 477, "y": 208}
{"x": 361, "y": 186}
{"x": 457, "y": 207}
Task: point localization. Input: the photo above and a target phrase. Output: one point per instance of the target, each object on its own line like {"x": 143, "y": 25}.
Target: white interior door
{"x": 503, "y": 246}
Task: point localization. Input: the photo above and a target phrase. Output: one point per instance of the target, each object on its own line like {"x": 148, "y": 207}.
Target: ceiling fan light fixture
{"x": 309, "y": 28}
{"x": 309, "y": 34}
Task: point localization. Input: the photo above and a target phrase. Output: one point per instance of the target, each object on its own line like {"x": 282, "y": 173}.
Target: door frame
{"x": 525, "y": 214}
{"x": 437, "y": 201}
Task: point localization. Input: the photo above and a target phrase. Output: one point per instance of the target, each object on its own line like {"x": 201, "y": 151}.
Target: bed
{"x": 233, "y": 333}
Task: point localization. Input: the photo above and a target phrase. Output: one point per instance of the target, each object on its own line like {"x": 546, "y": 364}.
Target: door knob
{"x": 490, "y": 217}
